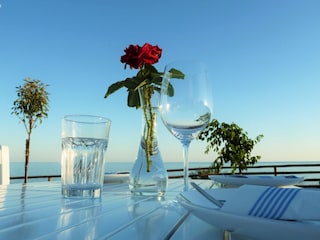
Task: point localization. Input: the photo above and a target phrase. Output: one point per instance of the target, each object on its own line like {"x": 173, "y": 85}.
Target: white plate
{"x": 116, "y": 177}
{"x": 252, "y": 227}
{"x": 275, "y": 181}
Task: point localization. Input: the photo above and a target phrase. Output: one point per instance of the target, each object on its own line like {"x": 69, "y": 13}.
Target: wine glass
{"x": 185, "y": 103}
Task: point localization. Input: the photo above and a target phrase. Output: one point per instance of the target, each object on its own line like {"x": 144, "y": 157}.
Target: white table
{"x": 37, "y": 211}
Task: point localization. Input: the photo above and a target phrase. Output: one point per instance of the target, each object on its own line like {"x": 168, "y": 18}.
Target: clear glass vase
{"x": 148, "y": 175}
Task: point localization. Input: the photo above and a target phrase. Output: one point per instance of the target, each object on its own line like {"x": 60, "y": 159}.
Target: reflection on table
{"x": 37, "y": 211}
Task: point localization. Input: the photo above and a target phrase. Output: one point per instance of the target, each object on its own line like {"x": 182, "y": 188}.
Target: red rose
{"x": 150, "y": 54}
{"x": 132, "y": 56}
{"x": 136, "y": 56}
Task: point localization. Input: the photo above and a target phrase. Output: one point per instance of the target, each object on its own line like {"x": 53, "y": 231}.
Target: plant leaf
{"x": 170, "y": 90}
{"x": 132, "y": 83}
{"x": 156, "y": 78}
{"x": 175, "y": 73}
{"x": 114, "y": 87}
{"x": 150, "y": 68}
{"x": 133, "y": 99}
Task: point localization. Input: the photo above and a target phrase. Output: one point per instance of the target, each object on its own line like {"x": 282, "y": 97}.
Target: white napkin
{"x": 275, "y": 203}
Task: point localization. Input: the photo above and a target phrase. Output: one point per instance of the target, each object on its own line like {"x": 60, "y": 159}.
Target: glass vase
{"x": 148, "y": 175}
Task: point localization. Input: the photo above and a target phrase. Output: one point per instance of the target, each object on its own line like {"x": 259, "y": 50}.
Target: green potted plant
{"x": 232, "y": 145}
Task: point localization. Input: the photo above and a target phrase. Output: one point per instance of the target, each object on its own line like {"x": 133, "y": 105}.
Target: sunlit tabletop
{"x": 37, "y": 211}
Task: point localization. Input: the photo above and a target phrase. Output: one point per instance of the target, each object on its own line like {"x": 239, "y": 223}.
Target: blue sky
{"x": 263, "y": 59}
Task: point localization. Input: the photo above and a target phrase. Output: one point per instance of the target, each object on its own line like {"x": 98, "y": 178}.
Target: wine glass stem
{"x": 185, "y": 148}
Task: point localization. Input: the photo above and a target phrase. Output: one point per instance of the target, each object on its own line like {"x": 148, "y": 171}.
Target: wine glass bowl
{"x": 184, "y": 130}
{"x": 185, "y": 107}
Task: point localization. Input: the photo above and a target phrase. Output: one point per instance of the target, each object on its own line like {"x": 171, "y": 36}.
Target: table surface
{"x": 37, "y": 211}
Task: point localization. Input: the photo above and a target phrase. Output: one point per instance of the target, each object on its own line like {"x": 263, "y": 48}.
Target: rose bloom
{"x": 136, "y": 56}
{"x": 131, "y": 57}
{"x": 150, "y": 54}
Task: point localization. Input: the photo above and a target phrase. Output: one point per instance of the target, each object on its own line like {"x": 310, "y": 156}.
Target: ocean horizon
{"x": 54, "y": 168}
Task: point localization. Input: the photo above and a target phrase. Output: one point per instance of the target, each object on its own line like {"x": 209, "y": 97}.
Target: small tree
{"x": 231, "y": 143}
{"x": 31, "y": 106}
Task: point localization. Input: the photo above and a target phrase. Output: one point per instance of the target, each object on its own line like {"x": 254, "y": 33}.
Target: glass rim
{"x": 86, "y": 118}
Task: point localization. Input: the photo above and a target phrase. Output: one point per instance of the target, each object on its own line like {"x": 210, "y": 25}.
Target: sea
{"x": 53, "y": 168}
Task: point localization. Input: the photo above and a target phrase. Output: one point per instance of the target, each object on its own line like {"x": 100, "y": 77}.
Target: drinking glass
{"x": 84, "y": 144}
{"x": 185, "y": 103}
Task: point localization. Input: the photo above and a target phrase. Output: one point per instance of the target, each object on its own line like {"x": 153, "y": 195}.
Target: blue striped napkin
{"x": 274, "y": 203}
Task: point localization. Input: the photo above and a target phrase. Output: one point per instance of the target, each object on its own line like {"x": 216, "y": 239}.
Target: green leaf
{"x": 132, "y": 83}
{"x": 156, "y": 78}
{"x": 151, "y": 68}
{"x": 170, "y": 90}
{"x": 175, "y": 73}
{"x": 134, "y": 99}
{"x": 113, "y": 88}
